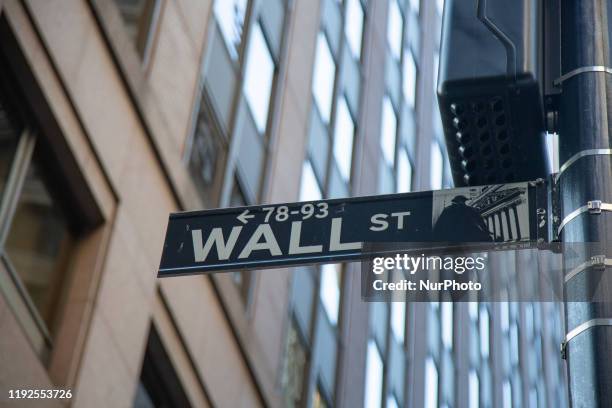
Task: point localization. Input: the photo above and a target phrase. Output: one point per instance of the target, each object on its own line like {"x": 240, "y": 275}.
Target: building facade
{"x": 115, "y": 113}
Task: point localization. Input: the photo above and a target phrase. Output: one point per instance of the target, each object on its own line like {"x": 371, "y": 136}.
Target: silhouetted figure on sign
{"x": 461, "y": 223}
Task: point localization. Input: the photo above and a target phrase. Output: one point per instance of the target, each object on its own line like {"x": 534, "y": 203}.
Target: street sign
{"x": 335, "y": 230}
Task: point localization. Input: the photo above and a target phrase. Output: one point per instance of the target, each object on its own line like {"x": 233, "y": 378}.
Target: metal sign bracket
{"x": 589, "y": 324}
{"x": 598, "y": 262}
{"x": 592, "y": 207}
{"x": 595, "y": 68}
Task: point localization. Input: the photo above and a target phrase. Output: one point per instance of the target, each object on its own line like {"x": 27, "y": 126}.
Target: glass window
{"x": 440, "y": 6}
{"x": 159, "y": 385}
{"x": 431, "y": 384}
{"x": 404, "y": 172}
{"x": 388, "y": 131}
{"x": 330, "y": 291}
{"x": 353, "y": 26}
{"x": 294, "y": 368}
{"x": 138, "y": 17}
{"x": 343, "y": 139}
{"x": 533, "y": 397}
{"x": 258, "y": 78}
{"x": 40, "y": 224}
{"x": 415, "y": 6}
{"x": 507, "y": 395}
{"x": 409, "y": 79}
{"x": 392, "y": 402}
{"x": 230, "y": 16}
{"x": 373, "y": 377}
{"x": 447, "y": 324}
{"x": 436, "y": 67}
{"x": 39, "y": 241}
{"x": 206, "y": 162}
{"x": 8, "y": 145}
{"x": 473, "y": 310}
{"x": 514, "y": 344}
{"x": 436, "y": 166}
{"x": 309, "y": 189}
{"x": 504, "y": 316}
{"x": 398, "y": 320}
{"x": 484, "y": 332}
{"x": 528, "y": 322}
{"x": 395, "y": 24}
{"x": 474, "y": 389}
{"x": 323, "y": 78}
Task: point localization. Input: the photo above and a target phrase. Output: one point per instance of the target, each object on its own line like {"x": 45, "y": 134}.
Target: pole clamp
{"x": 598, "y": 262}
{"x": 589, "y": 324}
{"x": 595, "y": 68}
{"x": 579, "y": 155}
{"x": 593, "y": 207}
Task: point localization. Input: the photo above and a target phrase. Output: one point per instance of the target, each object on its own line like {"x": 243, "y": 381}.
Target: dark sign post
{"x": 335, "y": 230}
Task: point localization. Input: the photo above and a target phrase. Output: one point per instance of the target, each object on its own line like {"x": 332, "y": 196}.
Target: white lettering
{"x": 269, "y": 243}
{"x": 380, "y": 220}
{"x": 294, "y": 241}
{"x": 334, "y": 239}
{"x": 224, "y": 250}
{"x": 400, "y": 218}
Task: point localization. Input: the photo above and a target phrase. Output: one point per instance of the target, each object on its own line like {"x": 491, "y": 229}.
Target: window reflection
{"x": 230, "y": 16}
{"x": 431, "y": 384}
{"x": 507, "y": 395}
{"x": 474, "y": 390}
{"x": 343, "y": 140}
{"x": 398, "y": 320}
{"x": 436, "y": 166}
{"x": 409, "y": 79}
{"x": 395, "y": 25}
{"x": 388, "y": 131}
{"x": 258, "y": 78}
{"x": 404, "y": 172}
{"x": 8, "y": 146}
{"x": 323, "y": 78}
{"x": 392, "y": 402}
{"x": 39, "y": 243}
{"x": 330, "y": 291}
{"x": 309, "y": 189}
{"x": 374, "y": 377}
{"x": 440, "y": 6}
{"x": 436, "y": 67}
{"x": 484, "y": 332}
{"x": 447, "y": 324}
{"x": 353, "y": 27}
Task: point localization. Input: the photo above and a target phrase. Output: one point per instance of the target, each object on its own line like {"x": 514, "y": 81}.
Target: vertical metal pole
{"x": 585, "y": 113}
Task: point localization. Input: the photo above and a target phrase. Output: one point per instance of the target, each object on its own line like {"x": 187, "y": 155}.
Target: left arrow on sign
{"x": 244, "y": 217}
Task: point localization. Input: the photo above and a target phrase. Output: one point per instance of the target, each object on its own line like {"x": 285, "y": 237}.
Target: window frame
{"x": 93, "y": 207}
{"x": 343, "y": 100}
{"x": 240, "y": 49}
{"x": 258, "y": 25}
{"x": 22, "y": 161}
{"x": 328, "y": 115}
{"x": 150, "y": 36}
